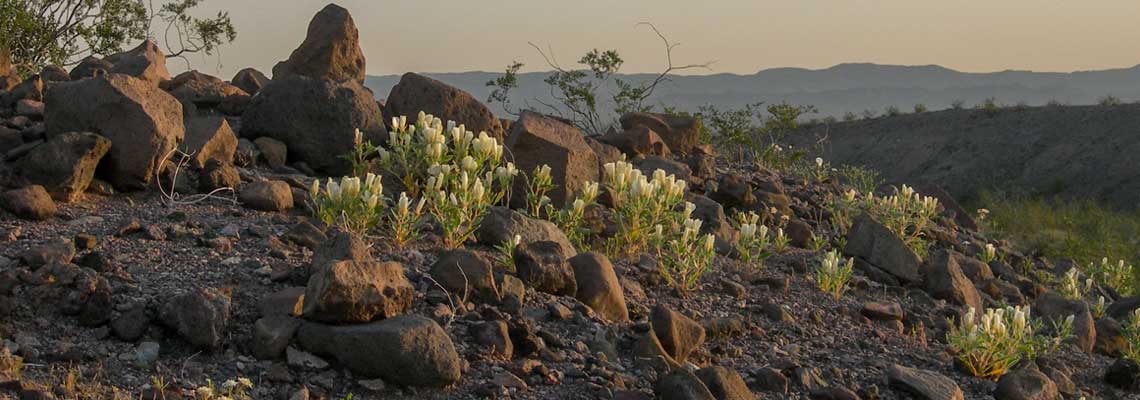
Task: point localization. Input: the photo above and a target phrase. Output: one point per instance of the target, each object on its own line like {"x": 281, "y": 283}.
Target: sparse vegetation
{"x": 753, "y": 239}
{"x": 1131, "y": 335}
{"x": 988, "y": 347}
{"x": 919, "y": 108}
{"x": 683, "y": 259}
{"x": 643, "y": 205}
{"x": 1109, "y": 101}
{"x": 892, "y": 111}
{"x": 833, "y": 273}
{"x": 352, "y": 203}
{"x": 1076, "y": 229}
{"x": 863, "y": 179}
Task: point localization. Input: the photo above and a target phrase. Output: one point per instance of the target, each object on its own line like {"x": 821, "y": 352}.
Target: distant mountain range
{"x": 840, "y": 89}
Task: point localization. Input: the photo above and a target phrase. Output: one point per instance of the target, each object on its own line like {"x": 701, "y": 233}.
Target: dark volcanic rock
{"x": 408, "y": 350}
{"x": 415, "y": 93}
{"x": 65, "y": 164}
{"x": 879, "y": 246}
{"x": 199, "y": 316}
{"x": 357, "y": 291}
{"x": 537, "y": 140}
{"x": 923, "y": 385}
{"x": 31, "y": 202}
{"x": 331, "y": 49}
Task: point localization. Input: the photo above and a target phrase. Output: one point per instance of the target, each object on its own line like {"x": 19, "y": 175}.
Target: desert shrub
{"x": 1109, "y": 101}
{"x": 870, "y": 114}
{"x": 537, "y": 184}
{"x": 892, "y": 111}
{"x": 990, "y": 106}
{"x": 1132, "y": 337}
{"x": 642, "y": 204}
{"x": 989, "y": 347}
{"x": 1076, "y": 229}
{"x": 905, "y": 213}
{"x": 572, "y": 218}
{"x": 455, "y": 173}
{"x": 576, "y": 91}
{"x": 1071, "y": 286}
{"x": 404, "y": 220}
{"x": 354, "y": 204}
{"x": 683, "y": 259}
{"x": 833, "y": 273}
{"x": 843, "y": 210}
{"x": 753, "y": 239}
{"x": 919, "y": 108}
{"x": 1118, "y": 275}
{"x": 863, "y": 179}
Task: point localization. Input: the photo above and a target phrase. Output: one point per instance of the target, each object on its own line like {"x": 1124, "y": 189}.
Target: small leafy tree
{"x": 576, "y": 91}
{"x": 62, "y": 32}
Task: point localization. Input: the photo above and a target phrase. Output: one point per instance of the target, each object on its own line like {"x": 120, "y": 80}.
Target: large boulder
{"x": 945, "y": 280}
{"x": 200, "y": 316}
{"x": 87, "y": 68}
{"x": 357, "y": 291}
{"x": 250, "y": 80}
{"x": 598, "y": 286}
{"x": 408, "y": 350}
{"x": 1052, "y": 306}
{"x": 201, "y": 90}
{"x": 30, "y": 202}
{"x": 266, "y": 196}
{"x": 316, "y": 119}
{"x": 415, "y": 93}
{"x": 65, "y": 164}
{"x": 680, "y": 133}
{"x": 1026, "y": 384}
{"x": 636, "y": 141}
{"x": 545, "y": 266}
{"x": 145, "y": 62}
{"x": 331, "y": 49}
{"x": 209, "y": 138}
{"x": 29, "y": 89}
{"x": 923, "y": 384}
{"x": 679, "y": 335}
{"x": 537, "y": 140}
{"x": 465, "y": 273}
{"x": 143, "y": 123}
{"x": 502, "y": 224}
{"x": 875, "y": 243}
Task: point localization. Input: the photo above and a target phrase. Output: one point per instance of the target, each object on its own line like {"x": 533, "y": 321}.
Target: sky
{"x": 739, "y": 36}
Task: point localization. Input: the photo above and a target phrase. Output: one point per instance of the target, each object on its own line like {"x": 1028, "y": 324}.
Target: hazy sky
{"x": 742, "y": 36}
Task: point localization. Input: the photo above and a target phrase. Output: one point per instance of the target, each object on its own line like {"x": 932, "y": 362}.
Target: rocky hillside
{"x": 191, "y": 238}
{"x": 1070, "y": 151}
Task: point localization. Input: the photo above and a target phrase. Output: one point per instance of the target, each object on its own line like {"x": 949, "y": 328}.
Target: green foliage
{"x": 403, "y": 223}
{"x": 1077, "y": 229}
{"x": 62, "y": 32}
{"x": 538, "y": 183}
{"x": 863, "y": 179}
{"x": 833, "y": 273}
{"x": 359, "y": 158}
{"x": 1072, "y": 287}
{"x": 989, "y": 347}
{"x": 503, "y": 85}
{"x": 643, "y": 205}
{"x": 919, "y": 108}
{"x": 571, "y": 220}
{"x": 1118, "y": 276}
{"x": 1132, "y": 337}
{"x": 682, "y": 260}
{"x": 506, "y": 252}
{"x": 905, "y": 213}
{"x": 1109, "y": 101}
{"x": 990, "y": 106}
{"x": 576, "y": 91}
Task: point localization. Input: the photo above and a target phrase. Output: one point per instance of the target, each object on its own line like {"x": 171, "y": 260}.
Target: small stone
{"x": 304, "y": 361}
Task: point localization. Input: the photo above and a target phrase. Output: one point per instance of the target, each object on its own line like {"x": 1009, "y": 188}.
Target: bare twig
{"x": 173, "y": 198}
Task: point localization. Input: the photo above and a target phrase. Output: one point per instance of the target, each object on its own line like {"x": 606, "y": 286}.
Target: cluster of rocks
{"x": 123, "y": 123}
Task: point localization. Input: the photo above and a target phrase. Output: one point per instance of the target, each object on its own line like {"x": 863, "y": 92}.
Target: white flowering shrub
{"x": 641, "y": 204}
{"x": 988, "y": 254}
{"x": 1132, "y": 337}
{"x": 753, "y": 239}
{"x": 451, "y": 172}
{"x": 987, "y": 347}
{"x": 1071, "y": 286}
{"x": 360, "y": 159}
{"x": 905, "y": 213}
{"x": 538, "y": 183}
{"x": 571, "y": 220}
{"x": 684, "y": 259}
{"x": 404, "y": 220}
{"x": 354, "y": 204}
{"x": 506, "y": 250}
{"x": 1118, "y": 275}
{"x": 833, "y": 273}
